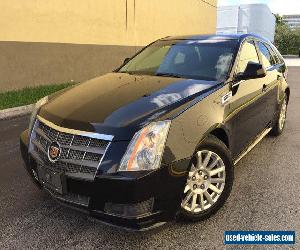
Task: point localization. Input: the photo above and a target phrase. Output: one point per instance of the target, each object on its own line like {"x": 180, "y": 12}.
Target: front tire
{"x": 209, "y": 181}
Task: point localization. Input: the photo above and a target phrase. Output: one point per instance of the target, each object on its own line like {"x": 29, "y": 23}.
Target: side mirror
{"x": 126, "y": 60}
{"x": 252, "y": 71}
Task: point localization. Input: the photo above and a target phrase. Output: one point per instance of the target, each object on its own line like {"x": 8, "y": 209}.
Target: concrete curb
{"x": 14, "y": 112}
{"x": 290, "y": 56}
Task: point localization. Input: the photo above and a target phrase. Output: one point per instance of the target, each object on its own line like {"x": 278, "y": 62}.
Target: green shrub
{"x": 28, "y": 95}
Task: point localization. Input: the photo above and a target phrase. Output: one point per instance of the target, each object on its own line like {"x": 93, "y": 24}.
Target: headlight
{"x": 146, "y": 147}
{"x": 35, "y": 110}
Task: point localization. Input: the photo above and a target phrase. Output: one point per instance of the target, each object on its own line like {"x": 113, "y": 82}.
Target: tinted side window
{"x": 280, "y": 58}
{"x": 248, "y": 54}
{"x": 274, "y": 55}
{"x": 267, "y": 58}
{"x": 277, "y": 57}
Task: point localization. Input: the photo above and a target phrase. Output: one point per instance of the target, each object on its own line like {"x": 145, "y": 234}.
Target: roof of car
{"x": 214, "y": 37}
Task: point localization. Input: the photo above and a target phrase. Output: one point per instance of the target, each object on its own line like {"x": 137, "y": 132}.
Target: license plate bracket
{"x": 53, "y": 180}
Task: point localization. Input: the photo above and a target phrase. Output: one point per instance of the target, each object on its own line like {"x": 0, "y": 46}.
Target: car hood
{"x": 120, "y": 103}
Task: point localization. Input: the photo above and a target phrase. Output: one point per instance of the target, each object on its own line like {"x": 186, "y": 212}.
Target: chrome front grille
{"x": 81, "y": 153}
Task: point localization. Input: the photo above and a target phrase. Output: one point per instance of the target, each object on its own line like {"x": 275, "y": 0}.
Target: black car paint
{"x": 124, "y": 102}
{"x": 120, "y": 104}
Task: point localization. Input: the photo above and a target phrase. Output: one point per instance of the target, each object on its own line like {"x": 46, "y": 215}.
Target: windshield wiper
{"x": 170, "y": 75}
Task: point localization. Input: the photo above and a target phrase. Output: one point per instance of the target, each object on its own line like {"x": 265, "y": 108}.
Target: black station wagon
{"x": 158, "y": 138}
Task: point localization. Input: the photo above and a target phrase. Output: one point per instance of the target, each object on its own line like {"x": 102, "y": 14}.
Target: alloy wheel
{"x": 205, "y": 183}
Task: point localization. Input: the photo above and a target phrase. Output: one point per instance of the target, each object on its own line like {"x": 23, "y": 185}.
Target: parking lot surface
{"x": 292, "y": 61}
{"x": 265, "y": 196}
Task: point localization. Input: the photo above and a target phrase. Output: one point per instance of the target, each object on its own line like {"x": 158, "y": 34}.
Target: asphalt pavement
{"x": 265, "y": 196}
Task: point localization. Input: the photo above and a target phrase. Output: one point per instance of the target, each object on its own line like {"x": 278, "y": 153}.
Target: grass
{"x": 15, "y": 98}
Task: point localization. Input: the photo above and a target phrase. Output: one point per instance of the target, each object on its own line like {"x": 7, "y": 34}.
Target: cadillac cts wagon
{"x": 158, "y": 138}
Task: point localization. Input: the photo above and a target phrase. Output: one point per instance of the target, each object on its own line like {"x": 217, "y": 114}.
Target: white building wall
{"x": 246, "y": 18}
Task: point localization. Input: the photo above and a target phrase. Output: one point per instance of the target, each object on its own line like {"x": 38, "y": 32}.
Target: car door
{"x": 270, "y": 81}
{"x": 246, "y": 106}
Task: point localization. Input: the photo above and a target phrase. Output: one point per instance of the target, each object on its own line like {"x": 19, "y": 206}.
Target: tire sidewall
{"x": 281, "y": 129}
{"x": 215, "y": 145}
{"x": 276, "y": 131}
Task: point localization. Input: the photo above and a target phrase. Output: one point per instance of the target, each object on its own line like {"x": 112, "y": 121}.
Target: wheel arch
{"x": 222, "y": 135}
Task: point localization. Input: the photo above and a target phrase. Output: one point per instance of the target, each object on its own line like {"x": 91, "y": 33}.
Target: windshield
{"x": 202, "y": 59}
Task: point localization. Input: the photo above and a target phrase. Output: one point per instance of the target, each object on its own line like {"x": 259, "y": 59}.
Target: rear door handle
{"x": 264, "y": 88}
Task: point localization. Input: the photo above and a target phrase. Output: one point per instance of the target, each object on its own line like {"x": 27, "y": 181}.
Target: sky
{"x": 282, "y": 7}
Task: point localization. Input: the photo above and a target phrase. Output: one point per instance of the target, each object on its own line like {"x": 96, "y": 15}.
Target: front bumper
{"x": 152, "y": 199}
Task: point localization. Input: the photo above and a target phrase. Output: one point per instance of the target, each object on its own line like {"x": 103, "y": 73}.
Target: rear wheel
{"x": 209, "y": 181}
{"x": 280, "y": 119}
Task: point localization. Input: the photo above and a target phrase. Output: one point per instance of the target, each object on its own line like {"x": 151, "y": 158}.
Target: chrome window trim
{"x": 76, "y": 132}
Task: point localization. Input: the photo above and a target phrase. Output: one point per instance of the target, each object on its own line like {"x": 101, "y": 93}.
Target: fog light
{"x": 129, "y": 210}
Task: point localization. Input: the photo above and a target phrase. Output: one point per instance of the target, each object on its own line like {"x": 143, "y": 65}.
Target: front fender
{"x": 193, "y": 125}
